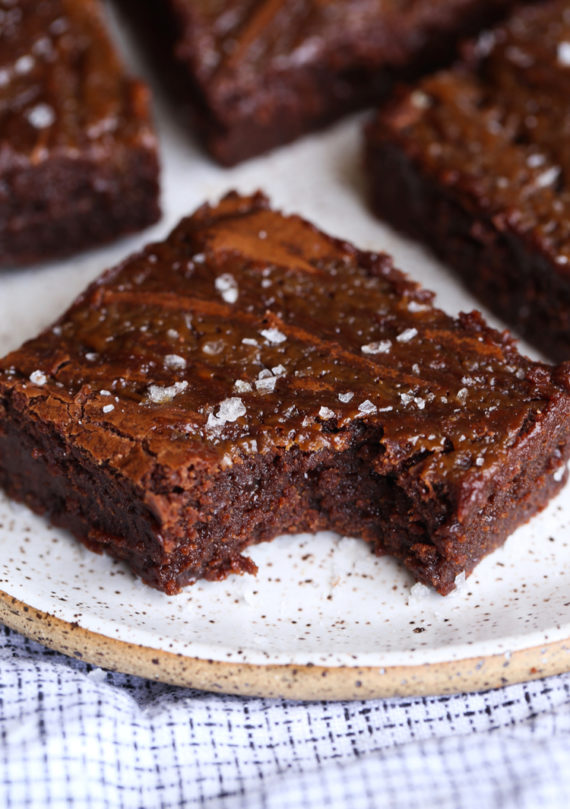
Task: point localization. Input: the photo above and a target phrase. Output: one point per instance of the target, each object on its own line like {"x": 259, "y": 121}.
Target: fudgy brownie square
{"x": 78, "y": 155}
{"x": 262, "y": 72}
{"x": 251, "y": 376}
{"x": 474, "y": 161}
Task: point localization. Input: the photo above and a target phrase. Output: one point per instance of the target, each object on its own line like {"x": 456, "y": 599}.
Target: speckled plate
{"x": 323, "y": 618}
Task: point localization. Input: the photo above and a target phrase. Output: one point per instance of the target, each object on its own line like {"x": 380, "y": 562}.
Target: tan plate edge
{"x": 290, "y": 681}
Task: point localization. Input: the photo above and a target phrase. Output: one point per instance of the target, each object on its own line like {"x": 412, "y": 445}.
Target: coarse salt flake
{"x": 407, "y": 335}
{"x": 23, "y": 65}
{"x": 326, "y": 413}
{"x": 241, "y": 386}
{"x": 548, "y": 177}
{"x": 38, "y": 378}
{"x": 162, "y": 395}
{"x": 229, "y": 410}
{"x": 249, "y": 341}
{"x": 563, "y": 54}
{"x": 174, "y": 362}
{"x": 227, "y": 286}
{"x": 367, "y": 407}
{"x": 273, "y": 335}
{"x": 462, "y": 395}
{"x": 380, "y": 347}
{"x": 345, "y": 397}
{"x": 41, "y": 116}
{"x": 108, "y": 408}
{"x": 266, "y": 384}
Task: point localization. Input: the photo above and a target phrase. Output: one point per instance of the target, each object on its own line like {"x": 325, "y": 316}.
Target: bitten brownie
{"x": 475, "y": 162}
{"x": 78, "y": 155}
{"x": 251, "y": 376}
{"x": 263, "y": 72}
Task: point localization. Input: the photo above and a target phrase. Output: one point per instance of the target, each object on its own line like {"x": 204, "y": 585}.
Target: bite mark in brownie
{"x": 78, "y": 154}
{"x": 251, "y": 376}
{"x": 475, "y": 161}
{"x": 262, "y": 72}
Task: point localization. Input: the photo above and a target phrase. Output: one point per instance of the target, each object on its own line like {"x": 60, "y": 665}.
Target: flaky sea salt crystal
{"x": 563, "y": 54}
{"x": 367, "y": 407}
{"x": 105, "y": 392}
{"x": 420, "y": 100}
{"x": 228, "y": 411}
{"x": 249, "y": 341}
{"x": 548, "y": 177}
{"x": 213, "y": 348}
{"x": 419, "y": 402}
{"x": 279, "y": 370}
{"x": 479, "y": 461}
{"x": 91, "y": 356}
{"x": 227, "y": 286}
{"x": 199, "y": 258}
{"x": 273, "y": 335}
{"x": 174, "y": 362}
{"x": 173, "y": 334}
{"x": 241, "y": 386}
{"x": 462, "y": 395}
{"x": 407, "y": 335}
{"x": 406, "y": 398}
{"x": 266, "y": 384}
{"x": 160, "y": 395}
{"x": 345, "y": 397}
{"x": 416, "y": 306}
{"x": 418, "y": 592}
{"x": 326, "y": 413}
{"x": 380, "y": 347}
{"x": 38, "y": 378}
{"x": 533, "y": 161}
{"x": 41, "y": 116}
{"x": 24, "y": 65}
{"x": 108, "y": 408}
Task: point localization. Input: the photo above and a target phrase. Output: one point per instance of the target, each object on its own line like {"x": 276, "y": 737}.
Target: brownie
{"x": 251, "y": 376}
{"x": 262, "y": 72}
{"x": 78, "y": 155}
{"x": 474, "y": 161}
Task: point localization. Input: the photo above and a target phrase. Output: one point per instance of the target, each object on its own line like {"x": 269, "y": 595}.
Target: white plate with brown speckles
{"x": 324, "y": 618}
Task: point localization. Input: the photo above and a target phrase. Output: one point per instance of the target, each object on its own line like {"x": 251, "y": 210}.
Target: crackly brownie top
{"x": 496, "y": 128}
{"x": 247, "y": 331}
{"x": 62, "y": 86}
{"x": 230, "y": 44}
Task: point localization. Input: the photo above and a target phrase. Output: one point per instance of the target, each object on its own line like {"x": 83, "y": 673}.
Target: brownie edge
{"x": 474, "y": 162}
{"x": 251, "y": 376}
{"x": 78, "y": 152}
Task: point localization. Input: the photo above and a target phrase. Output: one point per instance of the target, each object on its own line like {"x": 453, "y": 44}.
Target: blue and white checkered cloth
{"x": 75, "y": 736}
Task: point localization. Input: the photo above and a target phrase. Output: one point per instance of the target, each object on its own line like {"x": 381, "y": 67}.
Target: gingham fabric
{"x": 75, "y": 736}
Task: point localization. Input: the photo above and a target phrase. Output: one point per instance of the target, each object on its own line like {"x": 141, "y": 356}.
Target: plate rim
{"x": 285, "y": 681}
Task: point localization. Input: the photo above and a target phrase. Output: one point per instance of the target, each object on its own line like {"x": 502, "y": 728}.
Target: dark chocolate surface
{"x": 78, "y": 160}
{"x": 251, "y": 346}
{"x": 265, "y": 71}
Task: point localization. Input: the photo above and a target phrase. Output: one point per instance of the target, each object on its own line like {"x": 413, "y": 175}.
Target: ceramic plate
{"x": 323, "y": 618}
